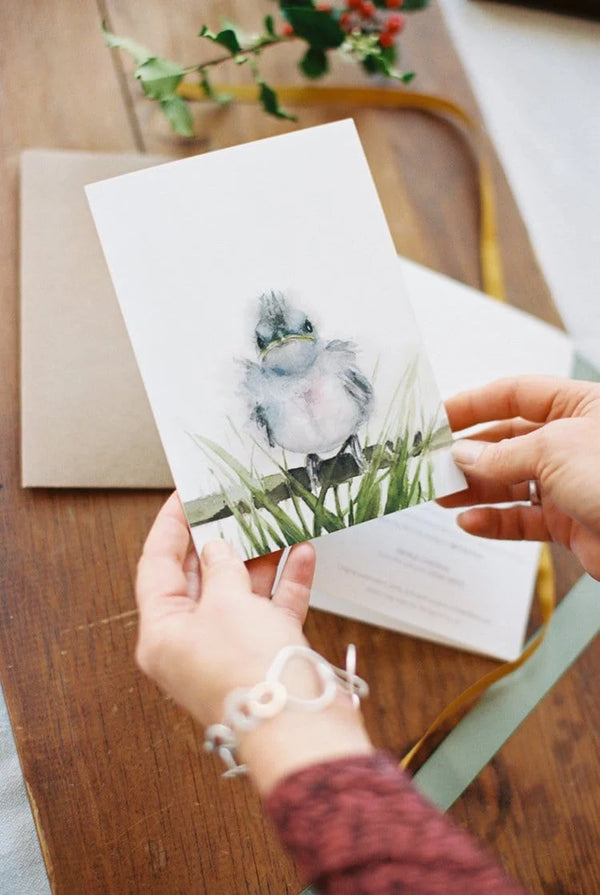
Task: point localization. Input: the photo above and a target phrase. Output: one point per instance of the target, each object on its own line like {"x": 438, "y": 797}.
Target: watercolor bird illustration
{"x": 305, "y": 394}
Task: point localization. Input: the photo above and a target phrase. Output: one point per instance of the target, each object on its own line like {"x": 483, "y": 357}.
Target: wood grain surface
{"x": 124, "y": 798}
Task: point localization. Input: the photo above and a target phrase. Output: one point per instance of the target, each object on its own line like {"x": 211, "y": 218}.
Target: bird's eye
{"x": 308, "y": 327}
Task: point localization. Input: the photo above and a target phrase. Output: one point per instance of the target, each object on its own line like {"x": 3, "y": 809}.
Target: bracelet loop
{"x": 265, "y": 700}
{"x": 322, "y": 667}
{"x": 245, "y": 707}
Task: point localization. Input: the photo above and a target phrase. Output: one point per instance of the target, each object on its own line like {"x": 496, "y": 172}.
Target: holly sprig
{"x": 363, "y": 31}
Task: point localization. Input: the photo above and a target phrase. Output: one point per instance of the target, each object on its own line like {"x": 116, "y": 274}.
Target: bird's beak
{"x": 292, "y": 337}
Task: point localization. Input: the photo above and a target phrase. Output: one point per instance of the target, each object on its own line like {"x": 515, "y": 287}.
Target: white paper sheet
{"x": 261, "y": 292}
{"x": 418, "y": 572}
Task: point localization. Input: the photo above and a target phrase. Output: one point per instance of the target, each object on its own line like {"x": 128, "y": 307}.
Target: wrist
{"x": 304, "y": 711}
{"x": 294, "y": 740}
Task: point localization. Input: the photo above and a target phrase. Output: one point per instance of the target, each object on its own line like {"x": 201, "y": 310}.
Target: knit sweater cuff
{"x": 356, "y": 816}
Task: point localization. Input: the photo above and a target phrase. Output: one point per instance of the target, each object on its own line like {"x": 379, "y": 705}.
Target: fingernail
{"x": 215, "y": 551}
{"x": 466, "y": 453}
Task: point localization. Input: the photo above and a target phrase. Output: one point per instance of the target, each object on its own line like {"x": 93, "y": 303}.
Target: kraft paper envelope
{"x": 86, "y": 421}
{"x": 85, "y": 418}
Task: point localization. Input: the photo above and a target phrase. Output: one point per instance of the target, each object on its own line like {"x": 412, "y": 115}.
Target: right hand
{"x": 550, "y": 432}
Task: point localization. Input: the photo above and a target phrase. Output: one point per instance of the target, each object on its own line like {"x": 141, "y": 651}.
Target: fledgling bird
{"x": 307, "y": 396}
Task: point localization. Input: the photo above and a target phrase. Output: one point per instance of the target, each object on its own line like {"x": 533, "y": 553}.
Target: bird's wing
{"x": 343, "y": 354}
{"x": 254, "y": 391}
{"x": 358, "y": 387}
{"x": 259, "y": 416}
{"x": 253, "y": 378}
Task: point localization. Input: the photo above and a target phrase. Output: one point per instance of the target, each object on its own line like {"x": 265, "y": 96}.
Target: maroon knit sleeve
{"x": 357, "y": 826}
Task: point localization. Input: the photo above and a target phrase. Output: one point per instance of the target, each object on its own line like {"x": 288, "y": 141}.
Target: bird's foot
{"x": 356, "y": 451}
{"x": 313, "y": 468}
{"x": 417, "y": 445}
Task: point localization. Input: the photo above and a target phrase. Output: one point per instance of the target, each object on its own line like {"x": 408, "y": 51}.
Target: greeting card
{"x": 260, "y": 288}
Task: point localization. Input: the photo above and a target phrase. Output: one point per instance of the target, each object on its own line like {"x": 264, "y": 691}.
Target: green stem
{"x": 248, "y": 51}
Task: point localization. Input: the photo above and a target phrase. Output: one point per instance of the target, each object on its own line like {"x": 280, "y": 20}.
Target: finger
{"x": 485, "y": 492}
{"x": 519, "y": 523}
{"x": 160, "y": 574}
{"x": 293, "y": 590}
{"x": 534, "y": 398}
{"x": 491, "y": 491}
{"x": 506, "y": 429}
{"x": 506, "y": 462}
{"x": 263, "y": 571}
{"x": 169, "y": 535}
{"x": 223, "y": 571}
{"x": 191, "y": 568}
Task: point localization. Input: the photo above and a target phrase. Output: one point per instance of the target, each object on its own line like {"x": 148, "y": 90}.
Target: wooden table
{"x": 124, "y": 799}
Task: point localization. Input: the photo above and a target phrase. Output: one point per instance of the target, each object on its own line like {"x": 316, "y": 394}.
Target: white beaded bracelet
{"x": 245, "y": 707}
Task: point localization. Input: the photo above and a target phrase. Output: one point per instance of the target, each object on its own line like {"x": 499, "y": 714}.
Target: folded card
{"x": 261, "y": 291}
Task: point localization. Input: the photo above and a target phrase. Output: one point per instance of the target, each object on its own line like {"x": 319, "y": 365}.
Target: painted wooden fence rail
{"x": 335, "y": 471}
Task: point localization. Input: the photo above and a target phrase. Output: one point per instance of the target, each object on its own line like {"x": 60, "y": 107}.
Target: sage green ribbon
{"x": 479, "y": 735}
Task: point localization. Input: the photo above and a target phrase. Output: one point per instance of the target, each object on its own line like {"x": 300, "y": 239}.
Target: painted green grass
{"x": 398, "y": 474}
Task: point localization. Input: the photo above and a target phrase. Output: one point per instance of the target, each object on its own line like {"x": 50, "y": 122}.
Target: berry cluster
{"x": 364, "y": 16}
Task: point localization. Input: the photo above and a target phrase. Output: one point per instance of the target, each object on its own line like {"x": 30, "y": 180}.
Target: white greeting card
{"x": 261, "y": 291}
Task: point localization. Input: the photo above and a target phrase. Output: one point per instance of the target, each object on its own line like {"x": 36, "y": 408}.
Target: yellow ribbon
{"x": 386, "y": 98}
{"x": 545, "y": 596}
{"x": 491, "y": 278}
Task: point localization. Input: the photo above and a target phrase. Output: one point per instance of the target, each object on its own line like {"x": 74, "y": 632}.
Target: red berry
{"x": 287, "y": 30}
{"x": 346, "y": 21}
{"x": 354, "y": 4}
{"x": 386, "y": 39}
{"x": 394, "y": 4}
{"x": 395, "y": 23}
{"x": 323, "y": 7}
{"x": 367, "y": 9}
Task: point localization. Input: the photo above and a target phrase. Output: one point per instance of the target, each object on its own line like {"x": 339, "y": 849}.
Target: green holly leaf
{"x": 140, "y": 54}
{"x": 159, "y": 77}
{"x": 414, "y": 5}
{"x": 222, "y": 98}
{"x": 270, "y": 103}
{"x": 387, "y": 59}
{"x": 285, "y": 4}
{"x": 314, "y": 63}
{"x": 269, "y": 24}
{"x": 382, "y": 61}
{"x": 178, "y": 112}
{"x": 315, "y": 26}
{"x": 226, "y": 38}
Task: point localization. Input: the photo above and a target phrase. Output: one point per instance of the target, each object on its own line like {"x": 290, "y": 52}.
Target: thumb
{"x": 505, "y": 462}
{"x": 223, "y": 571}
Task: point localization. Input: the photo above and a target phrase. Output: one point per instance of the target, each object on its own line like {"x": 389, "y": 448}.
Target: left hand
{"x": 207, "y": 625}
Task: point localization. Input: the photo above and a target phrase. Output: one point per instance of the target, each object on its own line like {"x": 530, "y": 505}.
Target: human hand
{"x": 550, "y": 432}
{"x": 207, "y": 626}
